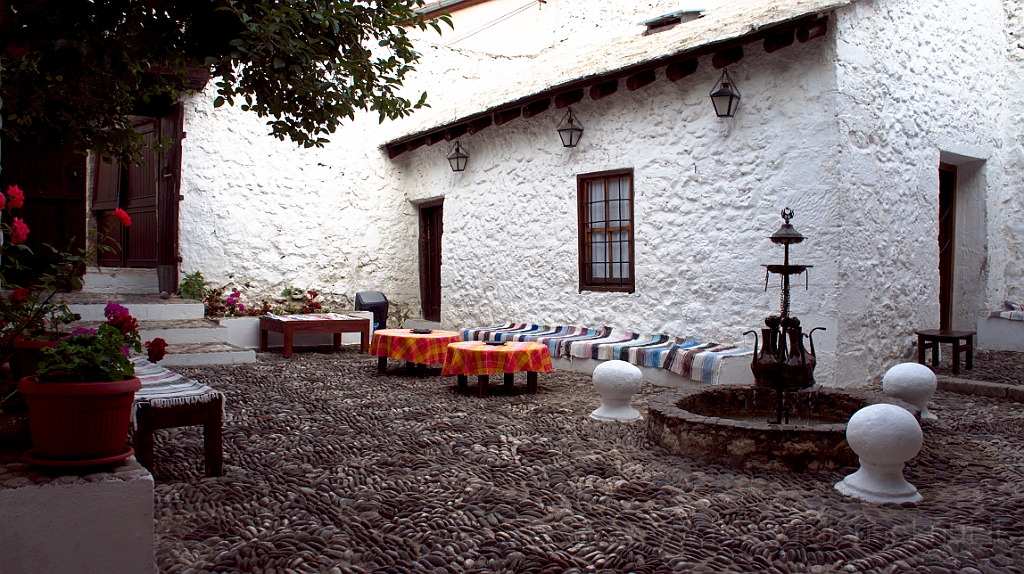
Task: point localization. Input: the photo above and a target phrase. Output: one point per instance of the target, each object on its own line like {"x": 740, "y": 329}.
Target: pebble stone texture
{"x": 333, "y": 468}
{"x": 1004, "y": 367}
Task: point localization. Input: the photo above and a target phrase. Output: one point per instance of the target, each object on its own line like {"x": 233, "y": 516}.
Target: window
{"x": 606, "y": 230}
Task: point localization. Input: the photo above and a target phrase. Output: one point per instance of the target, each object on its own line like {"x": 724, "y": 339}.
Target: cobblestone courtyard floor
{"x": 332, "y": 467}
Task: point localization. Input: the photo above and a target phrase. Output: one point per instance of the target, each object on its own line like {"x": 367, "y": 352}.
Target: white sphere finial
{"x": 913, "y": 383}
{"x": 885, "y": 437}
{"x": 617, "y": 382}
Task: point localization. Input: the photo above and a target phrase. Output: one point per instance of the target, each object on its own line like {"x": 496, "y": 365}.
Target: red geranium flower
{"x": 17, "y": 196}
{"x": 3, "y": 201}
{"x": 19, "y": 296}
{"x": 156, "y": 349}
{"x": 123, "y": 216}
{"x": 19, "y": 231}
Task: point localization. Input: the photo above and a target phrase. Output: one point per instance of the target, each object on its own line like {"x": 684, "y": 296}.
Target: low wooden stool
{"x": 932, "y": 338}
{"x": 210, "y": 415}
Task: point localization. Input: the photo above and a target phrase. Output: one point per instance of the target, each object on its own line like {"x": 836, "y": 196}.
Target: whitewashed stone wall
{"x": 918, "y": 85}
{"x": 847, "y": 130}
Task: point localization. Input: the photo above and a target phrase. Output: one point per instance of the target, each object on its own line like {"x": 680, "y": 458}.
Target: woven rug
{"x": 162, "y": 387}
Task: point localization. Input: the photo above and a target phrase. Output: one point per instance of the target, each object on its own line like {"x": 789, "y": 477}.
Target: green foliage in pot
{"x": 99, "y": 355}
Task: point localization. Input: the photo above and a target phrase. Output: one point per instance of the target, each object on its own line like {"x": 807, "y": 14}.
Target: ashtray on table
{"x": 494, "y": 343}
{"x": 421, "y": 331}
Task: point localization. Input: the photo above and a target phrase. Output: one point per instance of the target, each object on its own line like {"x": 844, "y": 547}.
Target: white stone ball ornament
{"x": 617, "y": 382}
{"x": 913, "y": 383}
{"x": 885, "y": 437}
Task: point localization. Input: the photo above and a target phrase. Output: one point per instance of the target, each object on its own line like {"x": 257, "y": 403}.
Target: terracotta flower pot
{"x": 78, "y": 421}
{"x": 27, "y": 356}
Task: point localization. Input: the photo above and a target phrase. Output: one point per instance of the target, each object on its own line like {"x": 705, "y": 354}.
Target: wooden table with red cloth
{"x": 479, "y": 358}
{"x": 415, "y": 348}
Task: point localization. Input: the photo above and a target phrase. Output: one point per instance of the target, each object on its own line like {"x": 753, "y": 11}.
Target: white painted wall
{"x": 916, "y": 86}
{"x": 847, "y": 130}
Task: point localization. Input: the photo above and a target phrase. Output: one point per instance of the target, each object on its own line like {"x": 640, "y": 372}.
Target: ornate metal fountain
{"x": 784, "y": 363}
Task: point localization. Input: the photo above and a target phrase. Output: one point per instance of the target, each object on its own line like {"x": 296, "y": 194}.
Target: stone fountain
{"x": 782, "y": 422}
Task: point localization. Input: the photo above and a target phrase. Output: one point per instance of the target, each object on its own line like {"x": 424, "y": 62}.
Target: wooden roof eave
{"x": 804, "y": 28}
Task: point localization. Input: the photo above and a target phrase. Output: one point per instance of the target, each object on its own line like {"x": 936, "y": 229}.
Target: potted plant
{"x": 39, "y": 320}
{"x": 80, "y": 403}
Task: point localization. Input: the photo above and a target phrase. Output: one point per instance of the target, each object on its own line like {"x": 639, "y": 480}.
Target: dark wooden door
{"x": 52, "y": 176}
{"x": 947, "y": 242}
{"x": 431, "y": 229}
{"x": 140, "y": 201}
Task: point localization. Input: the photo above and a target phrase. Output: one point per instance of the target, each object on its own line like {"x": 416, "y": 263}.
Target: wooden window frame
{"x": 588, "y": 283}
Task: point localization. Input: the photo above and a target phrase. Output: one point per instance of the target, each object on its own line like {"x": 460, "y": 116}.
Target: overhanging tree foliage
{"x": 78, "y": 69}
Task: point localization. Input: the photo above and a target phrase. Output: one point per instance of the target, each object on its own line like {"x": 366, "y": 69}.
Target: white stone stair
{"x": 117, "y": 280}
{"x": 192, "y": 339}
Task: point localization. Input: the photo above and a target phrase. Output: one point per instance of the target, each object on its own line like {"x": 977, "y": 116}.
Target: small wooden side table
{"x": 932, "y": 338}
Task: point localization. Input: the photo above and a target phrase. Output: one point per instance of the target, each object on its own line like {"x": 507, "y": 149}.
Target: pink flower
{"x": 3, "y": 201}
{"x": 123, "y": 216}
{"x": 17, "y": 196}
{"x": 19, "y": 231}
{"x": 126, "y": 351}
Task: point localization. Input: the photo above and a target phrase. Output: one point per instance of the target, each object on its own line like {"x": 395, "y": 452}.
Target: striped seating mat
{"x": 313, "y": 317}
{"x": 681, "y": 355}
{"x": 1010, "y": 311}
{"x": 162, "y": 387}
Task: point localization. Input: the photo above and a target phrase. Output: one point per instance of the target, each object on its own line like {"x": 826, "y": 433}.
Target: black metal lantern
{"x": 570, "y": 129}
{"x": 726, "y": 97}
{"x": 457, "y": 157}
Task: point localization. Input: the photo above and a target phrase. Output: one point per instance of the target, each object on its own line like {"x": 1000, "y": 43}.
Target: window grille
{"x": 606, "y": 231}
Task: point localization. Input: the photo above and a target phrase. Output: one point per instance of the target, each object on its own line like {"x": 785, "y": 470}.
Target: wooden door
{"x": 52, "y": 176}
{"x": 947, "y": 242}
{"x": 140, "y": 201}
{"x": 431, "y": 229}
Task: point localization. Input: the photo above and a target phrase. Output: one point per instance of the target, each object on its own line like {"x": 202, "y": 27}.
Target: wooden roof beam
{"x": 536, "y": 108}
{"x": 677, "y": 70}
{"x": 640, "y": 79}
{"x": 812, "y": 30}
{"x": 456, "y": 131}
{"x": 396, "y": 150}
{"x": 778, "y": 41}
{"x": 435, "y": 137}
{"x": 727, "y": 57}
{"x": 604, "y": 89}
{"x": 566, "y": 99}
{"x": 505, "y": 116}
{"x": 480, "y": 124}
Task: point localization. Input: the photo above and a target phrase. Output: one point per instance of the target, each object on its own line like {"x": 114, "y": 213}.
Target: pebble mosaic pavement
{"x": 333, "y": 468}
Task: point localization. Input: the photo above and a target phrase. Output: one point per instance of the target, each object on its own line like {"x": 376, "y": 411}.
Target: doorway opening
{"x": 947, "y": 243}
{"x": 149, "y": 193}
{"x": 431, "y": 229}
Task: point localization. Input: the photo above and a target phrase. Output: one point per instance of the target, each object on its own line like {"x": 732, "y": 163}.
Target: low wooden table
{"x": 334, "y": 323}
{"x": 418, "y": 349}
{"x": 480, "y": 359}
{"x": 931, "y": 339}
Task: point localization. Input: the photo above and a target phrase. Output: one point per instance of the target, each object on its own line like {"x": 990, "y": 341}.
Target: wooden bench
{"x": 289, "y": 325}
{"x": 169, "y": 400}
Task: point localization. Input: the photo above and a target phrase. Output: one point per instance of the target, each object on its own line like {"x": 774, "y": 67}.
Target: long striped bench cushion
{"x": 162, "y": 387}
{"x": 681, "y": 355}
{"x": 1010, "y": 311}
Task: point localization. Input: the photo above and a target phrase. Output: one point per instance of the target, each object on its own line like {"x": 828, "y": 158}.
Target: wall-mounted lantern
{"x": 457, "y": 157}
{"x": 570, "y": 129}
{"x": 726, "y": 97}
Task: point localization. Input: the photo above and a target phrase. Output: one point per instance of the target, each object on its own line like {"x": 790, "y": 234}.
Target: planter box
{"x": 101, "y": 522}
{"x": 245, "y": 332}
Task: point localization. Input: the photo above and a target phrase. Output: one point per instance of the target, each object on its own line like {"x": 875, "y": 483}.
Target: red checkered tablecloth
{"x": 478, "y": 358}
{"x": 404, "y": 345}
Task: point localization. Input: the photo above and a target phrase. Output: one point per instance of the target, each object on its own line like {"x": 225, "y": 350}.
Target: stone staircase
{"x": 191, "y": 338}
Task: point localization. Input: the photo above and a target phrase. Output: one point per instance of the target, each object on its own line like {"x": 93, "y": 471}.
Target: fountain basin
{"x": 696, "y": 423}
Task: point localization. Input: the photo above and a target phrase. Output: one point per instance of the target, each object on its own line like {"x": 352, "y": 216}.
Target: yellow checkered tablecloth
{"x": 404, "y": 345}
{"x": 478, "y": 358}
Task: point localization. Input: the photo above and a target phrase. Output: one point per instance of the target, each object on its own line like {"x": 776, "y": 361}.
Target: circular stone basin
{"x": 728, "y": 424}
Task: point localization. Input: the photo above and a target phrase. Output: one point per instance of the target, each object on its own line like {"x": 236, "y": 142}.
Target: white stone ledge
{"x": 101, "y": 522}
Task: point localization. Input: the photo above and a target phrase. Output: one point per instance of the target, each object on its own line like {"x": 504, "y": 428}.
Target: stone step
{"x": 143, "y": 307}
{"x": 173, "y": 331}
{"x": 197, "y": 354}
{"x": 121, "y": 280}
